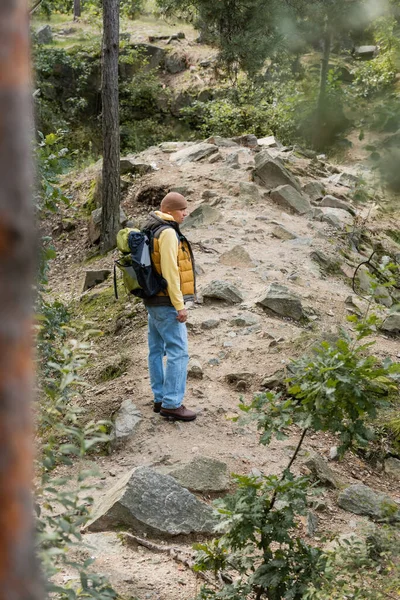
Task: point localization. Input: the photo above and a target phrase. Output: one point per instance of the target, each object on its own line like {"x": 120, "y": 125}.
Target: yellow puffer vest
{"x": 185, "y": 265}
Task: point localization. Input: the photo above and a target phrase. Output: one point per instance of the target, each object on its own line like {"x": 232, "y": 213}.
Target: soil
{"x": 138, "y": 572}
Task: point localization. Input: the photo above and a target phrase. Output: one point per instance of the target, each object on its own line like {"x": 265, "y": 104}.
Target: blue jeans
{"x": 167, "y": 337}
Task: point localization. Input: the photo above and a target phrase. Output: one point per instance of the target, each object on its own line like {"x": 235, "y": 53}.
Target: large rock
{"x": 314, "y": 190}
{"x": 320, "y": 469}
{"x": 282, "y": 302}
{"x": 333, "y": 202}
{"x": 250, "y": 191}
{"x": 150, "y": 503}
{"x": 269, "y": 142}
{"x": 194, "y": 370}
{"x": 193, "y": 153}
{"x": 201, "y": 216}
{"x": 291, "y": 200}
{"x": 94, "y": 228}
{"x": 126, "y": 420}
{"x": 392, "y": 324}
{"x": 336, "y": 217}
{"x": 154, "y": 54}
{"x": 93, "y": 278}
{"x": 203, "y": 475}
{"x": 271, "y": 173}
{"x": 280, "y": 232}
{"x": 248, "y": 140}
{"x": 44, "y": 35}
{"x": 392, "y": 467}
{"x": 346, "y": 179}
{"x": 221, "y": 142}
{"x": 175, "y": 62}
{"x": 236, "y": 257}
{"x": 222, "y": 291}
{"x": 362, "y": 500}
{"x": 134, "y": 166}
{"x": 366, "y": 52}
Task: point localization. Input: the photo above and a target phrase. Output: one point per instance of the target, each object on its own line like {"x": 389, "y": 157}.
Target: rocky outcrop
{"x": 193, "y": 153}
{"x": 271, "y": 173}
{"x": 291, "y": 200}
{"x": 125, "y": 422}
{"x": 362, "y": 500}
{"x": 153, "y": 504}
{"x": 282, "y": 302}
{"x": 391, "y": 324}
{"x": 203, "y": 475}
{"x": 222, "y": 291}
{"x": 93, "y": 278}
{"x": 202, "y": 215}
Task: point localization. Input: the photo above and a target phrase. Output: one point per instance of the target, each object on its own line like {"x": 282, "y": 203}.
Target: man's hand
{"x": 182, "y": 315}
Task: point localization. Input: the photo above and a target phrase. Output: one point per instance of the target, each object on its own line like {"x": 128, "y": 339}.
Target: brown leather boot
{"x": 157, "y": 407}
{"x": 178, "y": 414}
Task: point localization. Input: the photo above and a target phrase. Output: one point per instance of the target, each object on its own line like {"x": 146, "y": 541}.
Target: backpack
{"x": 138, "y": 273}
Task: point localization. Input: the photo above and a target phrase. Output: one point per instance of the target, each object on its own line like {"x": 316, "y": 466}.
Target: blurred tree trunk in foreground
{"x": 19, "y": 572}
{"x": 110, "y": 222}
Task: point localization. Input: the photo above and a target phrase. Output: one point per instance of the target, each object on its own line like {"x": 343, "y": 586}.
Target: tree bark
{"x": 110, "y": 222}
{"x": 19, "y": 572}
{"x": 77, "y": 9}
{"x": 318, "y": 137}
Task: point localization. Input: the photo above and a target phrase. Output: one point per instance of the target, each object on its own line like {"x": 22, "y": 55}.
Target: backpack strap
{"x": 115, "y": 282}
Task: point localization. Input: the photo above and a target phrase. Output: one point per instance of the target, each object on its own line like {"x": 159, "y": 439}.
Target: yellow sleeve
{"x": 168, "y": 245}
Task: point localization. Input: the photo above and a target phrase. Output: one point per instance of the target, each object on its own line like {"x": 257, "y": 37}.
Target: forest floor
{"x": 253, "y": 352}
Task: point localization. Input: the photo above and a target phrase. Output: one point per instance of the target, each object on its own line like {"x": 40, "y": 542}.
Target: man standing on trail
{"x": 167, "y": 335}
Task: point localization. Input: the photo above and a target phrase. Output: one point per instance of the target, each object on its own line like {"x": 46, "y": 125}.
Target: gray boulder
{"x": 271, "y": 173}
{"x": 391, "y": 324}
{"x": 236, "y": 257}
{"x": 346, "y": 179}
{"x": 291, "y": 200}
{"x": 392, "y": 467}
{"x": 222, "y": 291}
{"x": 366, "y": 52}
{"x": 321, "y": 471}
{"x": 336, "y": 217}
{"x": 244, "y": 320}
{"x": 126, "y": 420}
{"x": 269, "y": 142}
{"x": 280, "y": 232}
{"x": 193, "y": 153}
{"x": 232, "y": 160}
{"x": 314, "y": 190}
{"x": 194, "y": 370}
{"x": 152, "y": 504}
{"x": 333, "y": 202}
{"x": 210, "y": 323}
{"x": 175, "y": 63}
{"x": 281, "y": 301}
{"x": 93, "y": 278}
{"x": 94, "y": 228}
{"x": 250, "y": 191}
{"x": 202, "y": 475}
{"x": 221, "y": 142}
{"x": 329, "y": 265}
{"x": 203, "y": 215}
{"x": 44, "y": 35}
{"x": 248, "y": 140}
{"x": 134, "y": 166}
{"x": 154, "y": 54}
{"x": 362, "y": 500}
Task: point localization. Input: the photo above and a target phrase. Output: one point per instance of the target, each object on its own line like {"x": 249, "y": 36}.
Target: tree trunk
{"x": 110, "y": 222}
{"x": 318, "y": 137}
{"x": 19, "y": 571}
{"x": 77, "y": 9}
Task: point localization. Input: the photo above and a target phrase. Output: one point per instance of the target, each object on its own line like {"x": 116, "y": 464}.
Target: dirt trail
{"x": 257, "y": 350}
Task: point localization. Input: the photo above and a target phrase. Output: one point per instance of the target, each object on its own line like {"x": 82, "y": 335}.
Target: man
{"x": 167, "y": 335}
